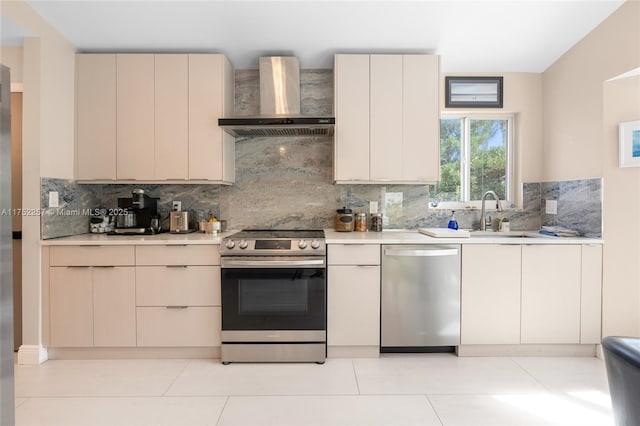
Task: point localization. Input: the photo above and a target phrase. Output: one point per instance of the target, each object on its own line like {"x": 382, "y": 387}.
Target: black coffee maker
{"x": 135, "y": 213}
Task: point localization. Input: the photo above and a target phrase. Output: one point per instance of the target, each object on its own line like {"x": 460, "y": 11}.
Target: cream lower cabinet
{"x": 551, "y": 282}
{"x": 178, "y": 296}
{"x": 353, "y": 296}
{"x": 490, "y": 294}
{"x": 92, "y": 305}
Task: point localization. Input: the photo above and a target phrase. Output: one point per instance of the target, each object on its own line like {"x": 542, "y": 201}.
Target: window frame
{"x": 465, "y": 163}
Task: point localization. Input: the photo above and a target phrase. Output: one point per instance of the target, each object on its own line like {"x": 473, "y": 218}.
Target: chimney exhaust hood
{"x": 279, "y": 105}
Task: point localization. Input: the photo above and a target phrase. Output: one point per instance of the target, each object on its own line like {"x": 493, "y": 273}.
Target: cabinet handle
{"x": 176, "y": 245}
{"x": 104, "y": 266}
{"x": 177, "y": 307}
{"x": 176, "y": 266}
{"x": 77, "y": 266}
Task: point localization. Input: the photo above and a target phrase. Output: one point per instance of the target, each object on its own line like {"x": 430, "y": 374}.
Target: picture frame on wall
{"x": 629, "y": 144}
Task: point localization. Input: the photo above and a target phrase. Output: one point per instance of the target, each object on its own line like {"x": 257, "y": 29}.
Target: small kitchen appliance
{"x": 179, "y": 222}
{"x": 134, "y": 214}
{"x": 274, "y": 296}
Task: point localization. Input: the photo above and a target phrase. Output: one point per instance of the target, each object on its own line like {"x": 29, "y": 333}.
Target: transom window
{"x": 475, "y": 157}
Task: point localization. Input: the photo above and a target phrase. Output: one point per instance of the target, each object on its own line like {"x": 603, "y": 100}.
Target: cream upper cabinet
{"x": 490, "y": 294}
{"x": 171, "y": 117}
{"x": 387, "y": 118}
{"x": 96, "y": 116}
{"x": 551, "y": 282}
{"x": 211, "y": 96}
{"x": 351, "y": 84}
{"x": 154, "y": 117}
{"x": 135, "y": 116}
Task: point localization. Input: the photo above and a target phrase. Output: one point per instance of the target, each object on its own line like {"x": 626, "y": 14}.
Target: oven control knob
{"x": 315, "y": 244}
{"x": 230, "y": 244}
{"x": 302, "y": 244}
{"x": 243, "y": 244}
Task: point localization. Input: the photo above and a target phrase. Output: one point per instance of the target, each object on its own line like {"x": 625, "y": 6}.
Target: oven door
{"x": 273, "y": 294}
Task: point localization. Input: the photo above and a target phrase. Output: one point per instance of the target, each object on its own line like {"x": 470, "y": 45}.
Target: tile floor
{"x": 391, "y": 390}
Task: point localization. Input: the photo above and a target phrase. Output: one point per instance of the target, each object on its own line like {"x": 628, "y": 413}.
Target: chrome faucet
{"x": 486, "y": 221}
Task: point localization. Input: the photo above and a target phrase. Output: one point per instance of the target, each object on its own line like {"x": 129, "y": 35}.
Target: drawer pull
{"x": 176, "y": 266}
{"x": 177, "y": 307}
{"x": 104, "y": 266}
{"x": 176, "y": 245}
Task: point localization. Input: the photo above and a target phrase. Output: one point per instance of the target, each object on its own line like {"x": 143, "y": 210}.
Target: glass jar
{"x": 361, "y": 222}
{"x": 375, "y": 222}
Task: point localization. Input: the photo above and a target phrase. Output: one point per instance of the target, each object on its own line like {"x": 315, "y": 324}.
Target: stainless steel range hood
{"x": 279, "y": 105}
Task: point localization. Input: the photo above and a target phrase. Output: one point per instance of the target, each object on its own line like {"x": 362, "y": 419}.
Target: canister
{"x": 375, "y": 222}
{"x": 344, "y": 220}
{"x": 361, "y": 222}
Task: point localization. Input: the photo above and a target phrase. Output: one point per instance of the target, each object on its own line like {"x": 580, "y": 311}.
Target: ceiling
{"x": 470, "y": 36}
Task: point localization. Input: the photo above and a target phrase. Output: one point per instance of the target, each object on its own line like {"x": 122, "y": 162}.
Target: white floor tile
{"x": 518, "y": 409}
{"x": 329, "y": 410}
{"x": 139, "y": 377}
{"x": 210, "y": 377}
{"x": 154, "y": 411}
{"x": 568, "y": 374}
{"x": 442, "y": 375}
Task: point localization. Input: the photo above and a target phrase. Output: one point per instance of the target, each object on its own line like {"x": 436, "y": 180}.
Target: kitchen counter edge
{"x": 414, "y": 237}
{"x": 194, "y": 238}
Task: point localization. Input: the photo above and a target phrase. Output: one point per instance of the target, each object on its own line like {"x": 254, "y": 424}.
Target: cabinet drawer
{"x": 192, "y": 326}
{"x": 178, "y": 286}
{"x": 353, "y": 254}
{"x": 178, "y": 255}
{"x": 91, "y": 256}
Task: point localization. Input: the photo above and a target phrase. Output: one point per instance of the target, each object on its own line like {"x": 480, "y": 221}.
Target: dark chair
{"x": 622, "y": 358}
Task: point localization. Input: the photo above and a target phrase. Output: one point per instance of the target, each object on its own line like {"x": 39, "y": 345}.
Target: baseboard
{"x": 135, "y": 353}
{"x": 32, "y": 354}
{"x": 527, "y": 350}
{"x": 353, "y": 352}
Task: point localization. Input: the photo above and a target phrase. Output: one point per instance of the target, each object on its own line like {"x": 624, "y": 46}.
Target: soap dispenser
{"x": 453, "y": 223}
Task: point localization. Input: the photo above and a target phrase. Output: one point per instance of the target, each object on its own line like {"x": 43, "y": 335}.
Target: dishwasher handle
{"x": 421, "y": 252}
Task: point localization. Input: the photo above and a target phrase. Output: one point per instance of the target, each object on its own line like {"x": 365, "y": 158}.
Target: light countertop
{"x": 165, "y": 238}
{"x": 407, "y": 236}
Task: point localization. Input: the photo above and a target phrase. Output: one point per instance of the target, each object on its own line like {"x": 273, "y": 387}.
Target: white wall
{"x": 48, "y": 128}
{"x": 11, "y": 56}
{"x": 621, "y": 294}
{"x": 572, "y": 94}
{"x": 523, "y": 98}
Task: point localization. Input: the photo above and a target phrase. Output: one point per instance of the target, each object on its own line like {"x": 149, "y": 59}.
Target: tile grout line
{"x": 434, "y": 409}
{"x": 355, "y": 376}
{"x": 528, "y": 373}
{"x": 226, "y": 401}
{"x": 188, "y": 363}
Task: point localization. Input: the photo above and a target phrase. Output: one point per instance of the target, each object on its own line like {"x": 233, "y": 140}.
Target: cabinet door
{"x": 551, "y": 293}
{"x": 114, "y": 306}
{"x": 490, "y": 294}
{"x": 591, "y": 295}
{"x": 353, "y": 306}
{"x": 96, "y": 116}
{"x": 71, "y": 306}
{"x": 421, "y": 118}
{"x": 171, "y": 116}
{"x": 386, "y": 115}
{"x": 352, "y": 117}
{"x": 211, "y": 151}
{"x": 135, "y": 116}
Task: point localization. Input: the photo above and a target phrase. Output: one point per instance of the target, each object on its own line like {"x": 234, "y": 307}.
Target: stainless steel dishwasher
{"x": 420, "y": 298}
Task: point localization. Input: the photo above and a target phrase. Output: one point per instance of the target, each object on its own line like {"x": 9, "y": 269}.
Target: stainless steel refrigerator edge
{"x": 420, "y": 298}
{"x": 7, "y": 396}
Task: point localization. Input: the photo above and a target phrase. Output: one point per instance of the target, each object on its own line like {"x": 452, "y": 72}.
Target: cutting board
{"x": 444, "y": 232}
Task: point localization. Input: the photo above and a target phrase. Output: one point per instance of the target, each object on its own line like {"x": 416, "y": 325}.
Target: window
{"x": 475, "y": 156}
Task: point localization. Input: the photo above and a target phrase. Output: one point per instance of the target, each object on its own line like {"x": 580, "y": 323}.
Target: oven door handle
{"x": 236, "y": 263}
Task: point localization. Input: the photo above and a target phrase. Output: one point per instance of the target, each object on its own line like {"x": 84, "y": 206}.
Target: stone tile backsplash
{"x": 287, "y": 183}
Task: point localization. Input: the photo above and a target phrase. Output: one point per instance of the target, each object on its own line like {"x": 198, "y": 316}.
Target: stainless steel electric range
{"x": 274, "y": 296}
